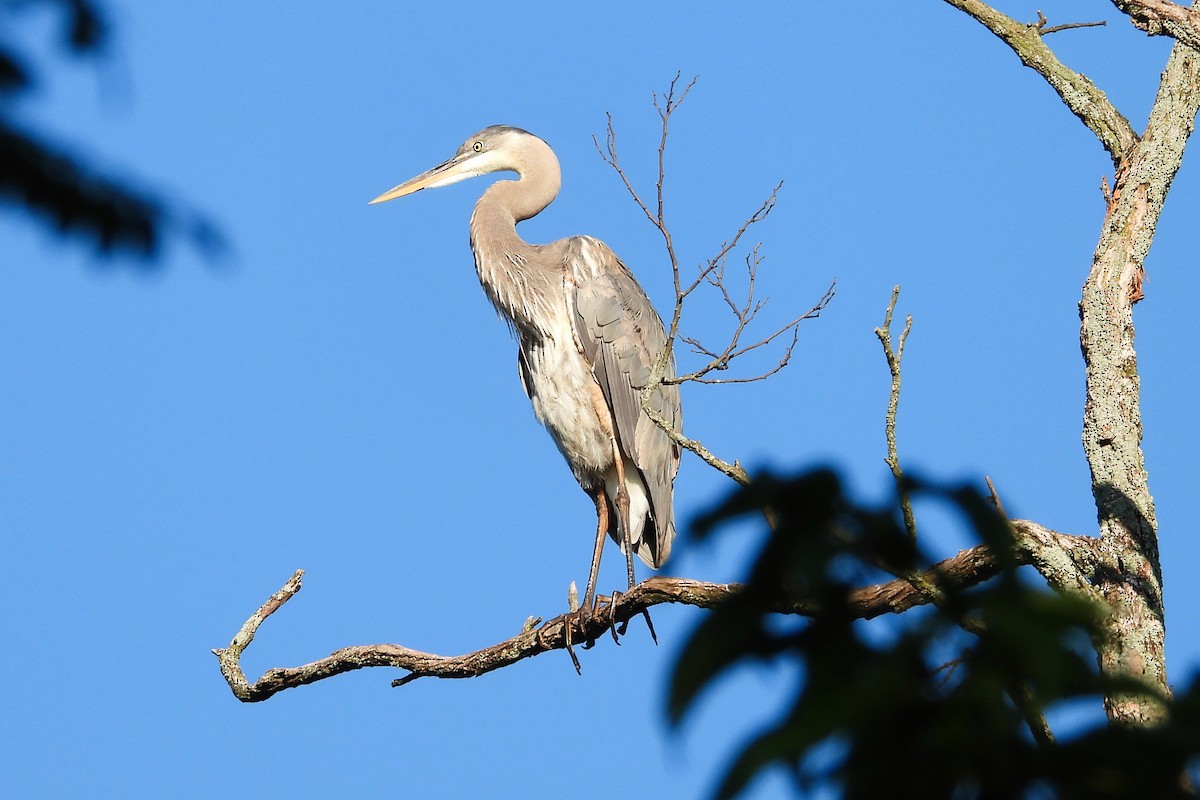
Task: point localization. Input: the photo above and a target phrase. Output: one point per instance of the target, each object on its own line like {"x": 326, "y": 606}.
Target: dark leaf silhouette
{"x": 940, "y": 706}
{"x": 60, "y": 189}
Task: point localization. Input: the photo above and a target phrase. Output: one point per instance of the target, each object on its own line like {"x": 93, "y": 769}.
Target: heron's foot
{"x": 568, "y": 626}
{"x": 579, "y": 618}
{"x": 620, "y": 629}
{"x": 578, "y": 621}
{"x": 590, "y": 615}
{"x": 582, "y": 621}
{"x": 612, "y": 618}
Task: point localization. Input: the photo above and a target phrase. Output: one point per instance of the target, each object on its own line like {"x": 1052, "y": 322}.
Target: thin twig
{"x": 894, "y": 357}
{"x": 733, "y": 470}
{"x": 721, "y": 361}
{"x": 668, "y": 105}
{"x": 995, "y": 497}
{"x": 1020, "y": 692}
{"x": 665, "y": 108}
{"x": 1085, "y": 100}
{"x": 1021, "y": 695}
{"x": 1041, "y": 25}
{"x": 950, "y": 667}
{"x": 712, "y": 272}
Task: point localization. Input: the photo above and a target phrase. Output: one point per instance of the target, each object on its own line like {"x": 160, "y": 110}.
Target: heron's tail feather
{"x": 650, "y": 535}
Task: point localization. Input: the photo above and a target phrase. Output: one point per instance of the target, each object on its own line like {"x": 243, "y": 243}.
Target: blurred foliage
{"x": 912, "y": 705}
{"x": 59, "y": 188}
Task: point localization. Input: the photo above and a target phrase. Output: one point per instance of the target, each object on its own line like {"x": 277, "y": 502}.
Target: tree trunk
{"x": 1130, "y": 576}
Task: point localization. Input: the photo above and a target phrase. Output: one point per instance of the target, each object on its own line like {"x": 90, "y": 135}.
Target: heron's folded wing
{"x": 623, "y": 337}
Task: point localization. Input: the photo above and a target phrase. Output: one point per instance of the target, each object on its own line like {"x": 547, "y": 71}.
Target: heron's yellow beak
{"x": 442, "y": 175}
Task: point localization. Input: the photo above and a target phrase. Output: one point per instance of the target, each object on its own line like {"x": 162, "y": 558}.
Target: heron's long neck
{"x": 518, "y": 279}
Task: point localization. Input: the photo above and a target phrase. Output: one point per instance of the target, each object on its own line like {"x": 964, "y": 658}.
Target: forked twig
{"x": 734, "y": 349}
{"x": 894, "y": 356}
{"x": 1042, "y": 27}
{"x": 668, "y": 105}
{"x": 1019, "y": 692}
{"x": 712, "y": 273}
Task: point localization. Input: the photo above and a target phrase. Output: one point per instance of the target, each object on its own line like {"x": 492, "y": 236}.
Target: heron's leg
{"x": 622, "y": 503}
{"x": 589, "y": 597}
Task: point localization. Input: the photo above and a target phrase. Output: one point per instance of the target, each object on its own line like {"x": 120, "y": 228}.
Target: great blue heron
{"x": 588, "y": 339}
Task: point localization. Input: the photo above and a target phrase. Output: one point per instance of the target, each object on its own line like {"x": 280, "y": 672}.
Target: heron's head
{"x": 499, "y": 148}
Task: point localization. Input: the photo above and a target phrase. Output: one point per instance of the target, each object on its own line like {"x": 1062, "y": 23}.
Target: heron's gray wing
{"x": 623, "y": 338}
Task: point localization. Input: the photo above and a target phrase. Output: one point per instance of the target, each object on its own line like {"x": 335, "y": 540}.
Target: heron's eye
{"x": 477, "y": 147}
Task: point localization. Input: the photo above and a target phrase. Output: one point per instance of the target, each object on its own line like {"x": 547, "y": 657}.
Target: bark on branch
{"x": 1164, "y": 18}
{"x": 894, "y": 355}
{"x": 1129, "y": 575}
{"x": 1080, "y": 95}
{"x": 965, "y": 569}
{"x": 1112, "y": 423}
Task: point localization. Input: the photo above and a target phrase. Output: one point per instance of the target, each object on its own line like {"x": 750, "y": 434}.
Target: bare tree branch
{"x": 894, "y": 356}
{"x": 1164, "y": 18}
{"x": 230, "y": 657}
{"x": 716, "y": 264}
{"x": 1057, "y": 557}
{"x": 1129, "y": 577}
{"x": 733, "y": 349}
{"x": 1069, "y": 563}
{"x": 1045, "y": 29}
{"x": 1020, "y": 692}
{"x": 1080, "y": 95}
{"x": 966, "y": 568}
{"x": 733, "y": 470}
{"x": 712, "y": 273}
{"x": 665, "y": 108}
{"x": 1131, "y": 581}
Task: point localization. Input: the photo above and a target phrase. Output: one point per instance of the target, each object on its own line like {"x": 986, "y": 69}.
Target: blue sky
{"x": 337, "y": 395}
